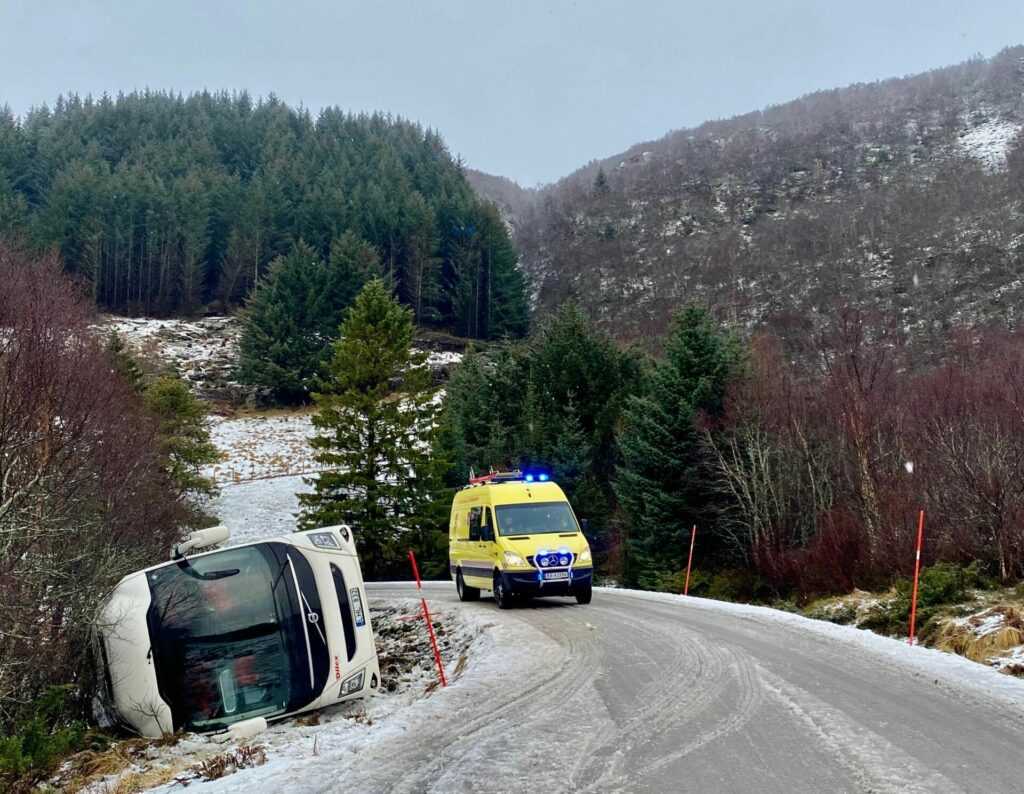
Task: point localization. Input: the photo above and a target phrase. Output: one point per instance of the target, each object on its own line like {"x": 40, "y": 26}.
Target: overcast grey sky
{"x": 522, "y": 88}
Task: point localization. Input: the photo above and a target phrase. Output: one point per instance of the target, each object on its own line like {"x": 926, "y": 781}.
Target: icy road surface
{"x": 641, "y": 692}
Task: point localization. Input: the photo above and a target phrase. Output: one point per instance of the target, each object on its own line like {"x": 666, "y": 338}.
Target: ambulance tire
{"x": 502, "y": 597}
{"x": 583, "y": 594}
{"x": 466, "y": 593}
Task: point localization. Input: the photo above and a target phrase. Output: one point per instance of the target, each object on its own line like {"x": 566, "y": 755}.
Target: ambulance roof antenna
{"x": 472, "y": 474}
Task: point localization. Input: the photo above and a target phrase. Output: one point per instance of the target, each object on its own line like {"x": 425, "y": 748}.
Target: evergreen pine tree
{"x": 353, "y": 263}
{"x": 183, "y": 433}
{"x": 124, "y": 362}
{"x": 376, "y": 439}
{"x": 289, "y": 324}
{"x": 466, "y": 429}
{"x": 601, "y": 182}
{"x": 662, "y": 485}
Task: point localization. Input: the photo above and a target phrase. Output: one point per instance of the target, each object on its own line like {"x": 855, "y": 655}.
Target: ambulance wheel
{"x": 502, "y": 597}
{"x": 466, "y": 593}
{"x": 583, "y": 594}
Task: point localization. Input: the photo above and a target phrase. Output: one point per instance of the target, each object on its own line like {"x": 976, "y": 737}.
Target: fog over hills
{"x": 906, "y": 195}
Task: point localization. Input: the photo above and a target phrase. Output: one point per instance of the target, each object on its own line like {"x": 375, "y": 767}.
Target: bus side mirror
{"x": 487, "y": 534}
{"x": 201, "y": 539}
{"x": 584, "y": 525}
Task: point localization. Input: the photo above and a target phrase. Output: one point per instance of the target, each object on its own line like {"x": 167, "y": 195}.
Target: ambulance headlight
{"x": 585, "y": 555}
{"x": 513, "y": 560}
{"x": 352, "y": 684}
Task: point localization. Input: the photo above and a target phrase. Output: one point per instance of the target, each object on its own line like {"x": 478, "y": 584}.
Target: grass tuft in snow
{"x": 985, "y": 636}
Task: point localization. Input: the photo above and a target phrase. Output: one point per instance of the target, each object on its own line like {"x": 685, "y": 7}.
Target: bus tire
{"x": 583, "y": 594}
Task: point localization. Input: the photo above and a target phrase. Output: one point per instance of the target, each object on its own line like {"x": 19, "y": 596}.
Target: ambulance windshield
{"x": 535, "y": 518}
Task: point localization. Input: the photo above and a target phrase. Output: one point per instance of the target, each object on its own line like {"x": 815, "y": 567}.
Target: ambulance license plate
{"x": 556, "y": 575}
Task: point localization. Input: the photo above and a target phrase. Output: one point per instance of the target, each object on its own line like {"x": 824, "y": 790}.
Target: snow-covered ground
{"x": 261, "y": 445}
{"x": 988, "y": 142}
{"x": 204, "y": 351}
{"x": 258, "y": 509}
{"x": 265, "y": 459}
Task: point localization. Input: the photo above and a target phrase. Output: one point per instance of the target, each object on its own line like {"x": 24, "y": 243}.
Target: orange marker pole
{"x": 426, "y": 614}
{"x": 693, "y": 538}
{"x": 917, "y": 574}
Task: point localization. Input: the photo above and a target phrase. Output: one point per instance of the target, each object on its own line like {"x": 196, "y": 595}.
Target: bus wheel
{"x": 583, "y": 594}
{"x": 466, "y": 593}
{"x": 502, "y": 597}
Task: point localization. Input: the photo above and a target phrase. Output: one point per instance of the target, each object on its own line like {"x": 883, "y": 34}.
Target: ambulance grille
{"x": 551, "y": 560}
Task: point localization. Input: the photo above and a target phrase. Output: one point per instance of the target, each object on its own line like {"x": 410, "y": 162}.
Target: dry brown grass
{"x": 91, "y": 766}
{"x": 308, "y": 720}
{"x": 227, "y": 763}
{"x": 134, "y": 782}
{"x": 960, "y": 637}
{"x": 361, "y": 717}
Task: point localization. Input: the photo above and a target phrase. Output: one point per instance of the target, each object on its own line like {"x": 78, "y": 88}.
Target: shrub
{"x": 40, "y": 737}
{"x": 85, "y": 498}
{"x": 944, "y": 583}
{"x": 740, "y": 585}
{"x": 833, "y": 612}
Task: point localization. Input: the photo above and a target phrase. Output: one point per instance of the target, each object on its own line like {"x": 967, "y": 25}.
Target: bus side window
{"x": 474, "y": 523}
{"x": 489, "y": 520}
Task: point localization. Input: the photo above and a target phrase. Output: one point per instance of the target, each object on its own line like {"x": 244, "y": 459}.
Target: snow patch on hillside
{"x": 261, "y": 445}
{"x": 989, "y": 141}
{"x": 203, "y": 351}
{"x": 259, "y": 509}
{"x": 265, "y": 459}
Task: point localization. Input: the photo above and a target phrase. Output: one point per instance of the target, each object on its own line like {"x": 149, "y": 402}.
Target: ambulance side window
{"x": 474, "y": 523}
{"x": 489, "y": 520}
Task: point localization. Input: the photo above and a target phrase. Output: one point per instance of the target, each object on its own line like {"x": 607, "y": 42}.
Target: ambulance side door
{"x": 476, "y": 567}
{"x": 489, "y": 541}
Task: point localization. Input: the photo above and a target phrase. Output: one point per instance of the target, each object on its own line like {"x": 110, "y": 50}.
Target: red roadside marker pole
{"x": 689, "y": 564}
{"x": 426, "y": 615}
{"x": 917, "y": 573}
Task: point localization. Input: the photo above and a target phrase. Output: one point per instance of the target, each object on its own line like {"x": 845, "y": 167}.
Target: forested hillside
{"x": 170, "y": 204}
{"x": 905, "y": 195}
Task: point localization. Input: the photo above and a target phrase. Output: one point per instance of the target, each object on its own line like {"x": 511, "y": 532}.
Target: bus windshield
{"x": 228, "y": 636}
{"x": 535, "y": 518}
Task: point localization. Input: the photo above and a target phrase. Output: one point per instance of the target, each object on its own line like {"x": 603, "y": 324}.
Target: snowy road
{"x": 639, "y": 694}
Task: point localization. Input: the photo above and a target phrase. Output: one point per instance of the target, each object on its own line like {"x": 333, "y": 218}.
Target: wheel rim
{"x": 460, "y": 585}
{"x": 499, "y": 591}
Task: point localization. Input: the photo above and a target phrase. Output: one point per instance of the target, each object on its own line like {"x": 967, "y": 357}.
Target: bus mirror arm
{"x": 584, "y": 526}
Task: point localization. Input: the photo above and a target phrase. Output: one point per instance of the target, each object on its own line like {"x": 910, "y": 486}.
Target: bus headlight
{"x": 513, "y": 560}
{"x": 584, "y": 556}
{"x": 352, "y": 684}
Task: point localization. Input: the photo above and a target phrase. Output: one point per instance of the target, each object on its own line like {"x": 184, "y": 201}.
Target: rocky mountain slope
{"x": 906, "y": 195}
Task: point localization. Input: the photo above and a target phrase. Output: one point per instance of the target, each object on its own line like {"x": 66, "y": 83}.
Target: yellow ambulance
{"x": 516, "y": 535}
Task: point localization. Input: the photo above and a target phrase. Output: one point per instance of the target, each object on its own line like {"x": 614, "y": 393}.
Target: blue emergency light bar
{"x": 511, "y": 476}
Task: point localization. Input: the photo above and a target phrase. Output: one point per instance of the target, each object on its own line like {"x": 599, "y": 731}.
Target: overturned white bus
{"x": 229, "y": 639}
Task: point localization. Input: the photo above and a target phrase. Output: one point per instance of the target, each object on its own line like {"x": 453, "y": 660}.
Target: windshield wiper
{"x": 305, "y": 629}
{"x": 187, "y": 568}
